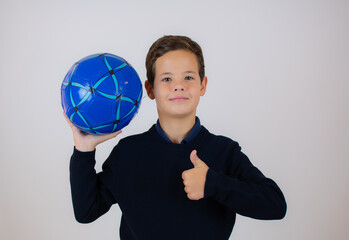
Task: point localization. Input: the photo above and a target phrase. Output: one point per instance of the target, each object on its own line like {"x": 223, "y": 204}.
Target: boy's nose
{"x": 179, "y": 89}
{"x": 178, "y": 86}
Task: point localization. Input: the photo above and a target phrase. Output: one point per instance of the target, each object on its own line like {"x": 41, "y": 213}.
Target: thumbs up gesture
{"x": 194, "y": 179}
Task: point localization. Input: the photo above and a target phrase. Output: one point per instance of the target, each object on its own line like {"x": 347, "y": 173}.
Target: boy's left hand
{"x": 194, "y": 179}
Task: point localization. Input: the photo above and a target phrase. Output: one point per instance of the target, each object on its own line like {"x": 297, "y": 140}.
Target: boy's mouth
{"x": 178, "y": 99}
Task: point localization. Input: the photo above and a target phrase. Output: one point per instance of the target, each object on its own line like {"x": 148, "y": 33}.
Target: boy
{"x": 177, "y": 180}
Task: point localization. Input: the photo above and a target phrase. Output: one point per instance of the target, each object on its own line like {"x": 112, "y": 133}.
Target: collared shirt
{"x": 192, "y": 134}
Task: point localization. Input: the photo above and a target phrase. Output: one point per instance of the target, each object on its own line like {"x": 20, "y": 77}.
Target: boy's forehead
{"x": 177, "y": 60}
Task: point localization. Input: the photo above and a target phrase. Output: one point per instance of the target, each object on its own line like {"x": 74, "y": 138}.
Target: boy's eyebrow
{"x": 192, "y": 72}
{"x": 166, "y": 73}
{"x": 186, "y": 72}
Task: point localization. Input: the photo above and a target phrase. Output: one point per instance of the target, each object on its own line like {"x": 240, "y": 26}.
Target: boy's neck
{"x": 176, "y": 129}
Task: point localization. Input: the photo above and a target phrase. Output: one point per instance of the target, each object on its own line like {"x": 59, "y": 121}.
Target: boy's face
{"x": 177, "y": 86}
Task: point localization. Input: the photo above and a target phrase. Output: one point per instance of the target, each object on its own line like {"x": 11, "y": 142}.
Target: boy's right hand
{"x": 85, "y": 142}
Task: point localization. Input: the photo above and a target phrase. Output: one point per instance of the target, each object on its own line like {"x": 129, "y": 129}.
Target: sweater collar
{"x": 192, "y": 134}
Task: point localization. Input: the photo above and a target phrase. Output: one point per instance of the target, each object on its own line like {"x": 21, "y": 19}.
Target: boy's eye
{"x": 166, "y": 79}
{"x": 189, "y": 78}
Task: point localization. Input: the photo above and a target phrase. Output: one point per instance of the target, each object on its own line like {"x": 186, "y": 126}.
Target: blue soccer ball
{"x": 101, "y": 93}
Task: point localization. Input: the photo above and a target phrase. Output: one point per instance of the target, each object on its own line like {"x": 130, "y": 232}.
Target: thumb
{"x": 195, "y": 159}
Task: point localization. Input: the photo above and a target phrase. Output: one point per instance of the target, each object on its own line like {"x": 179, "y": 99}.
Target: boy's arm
{"x": 91, "y": 198}
{"x": 245, "y": 189}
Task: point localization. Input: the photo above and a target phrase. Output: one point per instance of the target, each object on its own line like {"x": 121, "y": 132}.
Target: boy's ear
{"x": 149, "y": 90}
{"x": 203, "y": 86}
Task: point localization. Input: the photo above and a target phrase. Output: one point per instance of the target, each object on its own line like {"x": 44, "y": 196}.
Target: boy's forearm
{"x": 263, "y": 200}
{"x": 85, "y": 188}
{"x": 244, "y": 189}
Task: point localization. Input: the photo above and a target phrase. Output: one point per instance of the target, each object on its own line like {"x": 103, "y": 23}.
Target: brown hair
{"x": 171, "y": 43}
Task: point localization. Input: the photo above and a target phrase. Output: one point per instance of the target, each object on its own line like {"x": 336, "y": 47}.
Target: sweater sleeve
{"x": 245, "y": 190}
{"x": 91, "y": 199}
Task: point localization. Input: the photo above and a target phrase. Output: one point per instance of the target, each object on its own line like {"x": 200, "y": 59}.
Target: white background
{"x": 278, "y": 76}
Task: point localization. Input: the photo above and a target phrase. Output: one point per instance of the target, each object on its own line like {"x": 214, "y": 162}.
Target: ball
{"x": 101, "y": 93}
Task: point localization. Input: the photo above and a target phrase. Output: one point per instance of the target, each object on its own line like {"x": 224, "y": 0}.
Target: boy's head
{"x": 166, "y": 44}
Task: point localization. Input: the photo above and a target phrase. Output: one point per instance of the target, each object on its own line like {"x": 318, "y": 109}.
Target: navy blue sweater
{"x": 143, "y": 175}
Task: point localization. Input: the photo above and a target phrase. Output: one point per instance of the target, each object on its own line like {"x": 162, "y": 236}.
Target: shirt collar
{"x": 192, "y": 134}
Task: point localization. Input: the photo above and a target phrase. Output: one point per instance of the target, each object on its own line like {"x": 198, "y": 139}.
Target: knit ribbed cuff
{"x": 84, "y": 155}
{"x": 210, "y": 185}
